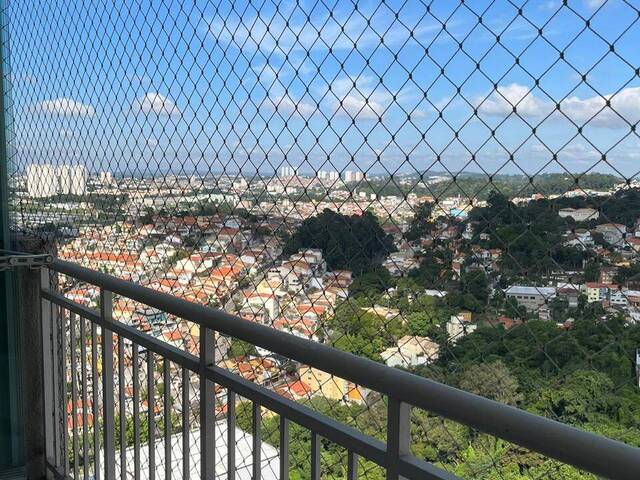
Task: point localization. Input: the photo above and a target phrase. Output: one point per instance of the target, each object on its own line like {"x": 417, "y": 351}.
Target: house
{"x": 435, "y": 293}
{"x": 633, "y": 243}
{"x": 468, "y": 231}
{"x": 506, "y": 322}
{"x": 155, "y": 318}
{"x": 580, "y": 238}
{"x": 300, "y": 327}
{"x": 532, "y": 298}
{"x": 309, "y": 256}
{"x": 612, "y": 233}
{"x": 570, "y": 293}
{"x": 617, "y": 297}
{"x": 331, "y": 387}
{"x": 411, "y": 351}
{"x": 338, "y": 278}
{"x": 197, "y": 263}
{"x": 295, "y": 390}
{"x": 608, "y": 274}
{"x": 597, "y": 292}
{"x": 262, "y": 302}
{"x": 579, "y": 214}
{"x": 399, "y": 263}
{"x": 460, "y": 325}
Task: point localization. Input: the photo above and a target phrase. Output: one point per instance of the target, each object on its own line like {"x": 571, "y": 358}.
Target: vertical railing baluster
{"x": 62, "y": 390}
{"x": 284, "y": 448}
{"x": 315, "y": 456}
{"x": 135, "y": 359}
{"x": 231, "y": 435}
{"x": 257, "y": 440}
{"x": 151, "y": 415}
{"x": 48, "y": 367}
{"x": 352, "y": 466}
{"x": 74, "y": 391}
{"x": 398, "y": 436}
{"x": 95, "y": 393}
{"x": 207, "y": 406}
{"x": 186, "y": 467}
{"x": 85, "y": 426}
{"x": 166, "y": 400}
{"x": 122, "y": 441}
{"x": 106, "y": 312}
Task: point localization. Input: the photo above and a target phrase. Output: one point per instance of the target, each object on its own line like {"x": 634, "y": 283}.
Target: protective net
{"x": 447, "y": 187}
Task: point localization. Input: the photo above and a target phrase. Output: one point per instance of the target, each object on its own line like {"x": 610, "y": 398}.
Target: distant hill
{"x": 478, "y": 186}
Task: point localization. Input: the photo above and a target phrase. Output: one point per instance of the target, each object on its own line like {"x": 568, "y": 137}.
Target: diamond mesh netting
{"x": 448, "y": 187}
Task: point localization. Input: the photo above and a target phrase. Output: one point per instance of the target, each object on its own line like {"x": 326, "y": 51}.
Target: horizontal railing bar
{"x": 596, "y": 454}
{"x": 166, "y": 350}
{"x": 352, "y": 439}
{"x": 330, "y": 429}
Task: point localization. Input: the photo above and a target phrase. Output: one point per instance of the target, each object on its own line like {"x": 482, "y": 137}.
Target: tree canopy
{"x": 357, "y": 242}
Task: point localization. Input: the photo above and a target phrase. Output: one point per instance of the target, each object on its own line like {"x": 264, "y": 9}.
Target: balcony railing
{"x": 96, "y": 428}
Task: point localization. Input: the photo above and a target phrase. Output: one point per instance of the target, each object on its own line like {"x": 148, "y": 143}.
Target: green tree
{"x": 355, "y": 243}
{"x": 420, "y": 224}
{"x": 362, "y": 332}
{"x": 475, "y": 283}
{"x": 492, "y": 380}
{"x": 240, "y": 348}
{"x": 578, "y": 398}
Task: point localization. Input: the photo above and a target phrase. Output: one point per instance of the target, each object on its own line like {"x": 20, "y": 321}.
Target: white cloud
{"x": 593, "y": 4}
{"x": 623, "y": 108}
{"x": 266, "y": 73}
{"x": 65, "y": 106}
{"x": 357, "y": 99}
{"x": 502, "y": 102}
{"x": 282, "y": 33}
{"x": 354, "y": 105}
{"x": 151, "y": 142}
{"x": 580, "y": 152}
{"x": 156, "y": 103}
{"x": 549, "y": 5}
{"x": 66, "y": 133}
{"x": 284, "y": 104}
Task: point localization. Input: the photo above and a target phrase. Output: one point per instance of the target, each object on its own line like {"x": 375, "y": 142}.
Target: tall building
{"x": 47, "y": 180}
{"x": 42, "y": 181}
{"x": 353, "y": 176}
{"x": 287, "y": 171}
{"x": 72, "y": 179}
{"x": 105, "y": 178}
{"x": 331, "y": 175}
{"x": 64, "y": 179}
{"x": 78, "y": 180}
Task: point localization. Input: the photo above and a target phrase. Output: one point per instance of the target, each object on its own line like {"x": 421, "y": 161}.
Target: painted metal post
{"x": 106, "y": 312}
{"x": 398, "y": 436}
{"x": 207, "y": 406}
{"x": 48, "y": 372}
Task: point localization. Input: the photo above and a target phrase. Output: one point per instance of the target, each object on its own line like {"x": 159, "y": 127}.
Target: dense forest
{"x": 355, "y": 243}
{"x": 582, "y": 375}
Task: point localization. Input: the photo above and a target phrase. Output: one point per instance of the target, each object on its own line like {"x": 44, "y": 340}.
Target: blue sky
{"x": 144, "y": 85}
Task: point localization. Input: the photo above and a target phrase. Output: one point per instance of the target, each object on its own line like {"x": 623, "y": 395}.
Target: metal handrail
{"x": 593, "y": 453}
